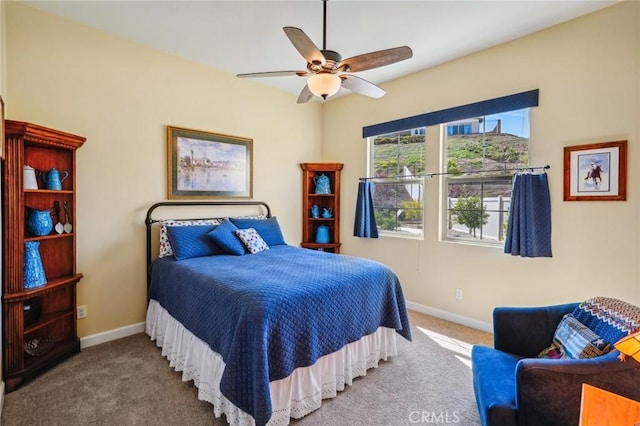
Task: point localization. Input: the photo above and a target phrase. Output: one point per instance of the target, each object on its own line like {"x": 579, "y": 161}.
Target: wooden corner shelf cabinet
{"x": 330, "y": 201}
{"x": 48, "y": 312}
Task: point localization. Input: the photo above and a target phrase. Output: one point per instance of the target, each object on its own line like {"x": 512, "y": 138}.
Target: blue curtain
{"x": 529, "y": 229}
{"x": 365, "y": 222}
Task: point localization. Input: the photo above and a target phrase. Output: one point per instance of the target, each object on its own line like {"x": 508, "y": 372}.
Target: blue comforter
{"x": 269, "y": 313}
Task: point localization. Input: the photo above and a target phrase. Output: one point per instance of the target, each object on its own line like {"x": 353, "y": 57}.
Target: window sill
{"x": 419, "y": 237}
{"x": 472, "y": 243}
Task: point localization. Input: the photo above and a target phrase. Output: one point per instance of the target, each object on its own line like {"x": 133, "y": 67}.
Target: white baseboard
{"x": 118, "y": 333}
{"x": 458, "y": 319}
{"x": 107, "y": 336}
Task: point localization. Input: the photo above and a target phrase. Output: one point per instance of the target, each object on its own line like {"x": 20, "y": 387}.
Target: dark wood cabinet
{"x": 311, "y": 172}
{"x": 48, "y": 312}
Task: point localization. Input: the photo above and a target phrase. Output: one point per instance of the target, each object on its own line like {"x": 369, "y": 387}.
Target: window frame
{"x": 444, "y": 210}
{"x": 398, "y": 180}
{"x": 527, "y": 99}
{"x": 403, "y": 181}
{"x": 479, "y": 177}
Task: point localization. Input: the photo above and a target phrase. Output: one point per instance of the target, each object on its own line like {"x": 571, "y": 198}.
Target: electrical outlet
{"x": 82, "y": 312}
{"x": 459, "y": 293}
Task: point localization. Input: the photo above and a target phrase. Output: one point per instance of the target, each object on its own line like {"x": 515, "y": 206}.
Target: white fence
{"x": 495, "y": 229}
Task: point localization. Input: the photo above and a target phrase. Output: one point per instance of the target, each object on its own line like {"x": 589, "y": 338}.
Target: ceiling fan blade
{"x": 305, "y": 95}
{"x": 273, "y": 74}
{"x": 376, "y": 59}
{"x": 362, "y": 86}
{"x": 305, "y": 46}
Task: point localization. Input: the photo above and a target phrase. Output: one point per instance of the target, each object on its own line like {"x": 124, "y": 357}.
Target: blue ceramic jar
{"x": 34, "y": 276}
{"x": 38, "y": 223}
{"x": 322, "y": 234}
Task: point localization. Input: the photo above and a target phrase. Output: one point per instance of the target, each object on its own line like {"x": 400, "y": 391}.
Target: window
{"x": 395, "y": 161}
{"x": 482, "y": 143}
{"x": 480, "y": 155}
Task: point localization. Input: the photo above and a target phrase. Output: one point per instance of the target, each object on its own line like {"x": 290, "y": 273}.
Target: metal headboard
{"x": 149, "y": 221}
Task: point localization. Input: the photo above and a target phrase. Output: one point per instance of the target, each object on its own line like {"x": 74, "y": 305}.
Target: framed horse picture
{"x": 596, "y": 172}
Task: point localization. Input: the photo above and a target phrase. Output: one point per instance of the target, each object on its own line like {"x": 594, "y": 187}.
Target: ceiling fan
{"x": 326, "y": 69}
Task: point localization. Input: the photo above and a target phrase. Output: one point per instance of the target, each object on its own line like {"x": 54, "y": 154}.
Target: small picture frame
{"x": 208, "y": 165}
{"x": 596, "y": 172}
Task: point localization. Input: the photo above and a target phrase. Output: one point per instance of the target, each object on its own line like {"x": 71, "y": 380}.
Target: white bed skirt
{"x": 294, "y": 396}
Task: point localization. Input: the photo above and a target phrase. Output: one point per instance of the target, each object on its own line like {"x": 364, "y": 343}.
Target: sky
{"x": 513, "y": 122}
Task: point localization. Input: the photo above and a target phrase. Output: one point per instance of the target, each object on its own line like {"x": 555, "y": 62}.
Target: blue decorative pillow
{"x": 575, "y": 340}
{"x": 165, "y": 245}
{"x": 252, "y": 240}
{"x": 224, "y": 236}
{"x": 192, "y": 241}
{"x": 268, "y": 229}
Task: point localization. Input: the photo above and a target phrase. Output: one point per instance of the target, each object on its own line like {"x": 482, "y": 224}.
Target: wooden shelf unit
{"x": 42, "y": 149}
{"x": 332, "y": 201}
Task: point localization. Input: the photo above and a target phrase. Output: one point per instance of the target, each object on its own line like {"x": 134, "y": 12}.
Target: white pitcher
{"x": 29, "y": 177}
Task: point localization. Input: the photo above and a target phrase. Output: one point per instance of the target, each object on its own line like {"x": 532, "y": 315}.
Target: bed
{"x": 266, "y": 330}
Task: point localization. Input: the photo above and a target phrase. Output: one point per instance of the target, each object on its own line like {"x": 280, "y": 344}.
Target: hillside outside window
{"x": 396, "y": 164}
{"x": 480, "y": 155}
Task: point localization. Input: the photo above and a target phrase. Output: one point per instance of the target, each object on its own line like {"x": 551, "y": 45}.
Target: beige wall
{"x": 120, "y": 96}
{"x": 588, "y": 74}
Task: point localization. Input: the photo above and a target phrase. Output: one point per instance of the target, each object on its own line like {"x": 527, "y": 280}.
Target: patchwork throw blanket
{"x": 269, "y": 313}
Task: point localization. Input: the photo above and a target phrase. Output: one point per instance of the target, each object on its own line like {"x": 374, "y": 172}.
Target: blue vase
{"x": 322, "y": 184}
{"x": 322, "y": 234}
{"x": 33, "y": 270}
{"x": 38, "y": 223}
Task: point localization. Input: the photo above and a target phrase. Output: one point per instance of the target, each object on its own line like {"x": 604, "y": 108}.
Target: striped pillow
{"x": 575, "y": 340}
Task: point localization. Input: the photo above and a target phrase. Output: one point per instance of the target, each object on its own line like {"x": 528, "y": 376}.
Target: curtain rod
{"x": 519, "y": 169}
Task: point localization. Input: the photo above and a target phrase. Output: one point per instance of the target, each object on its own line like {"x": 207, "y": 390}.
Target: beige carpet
{"x": 128, "y": 382}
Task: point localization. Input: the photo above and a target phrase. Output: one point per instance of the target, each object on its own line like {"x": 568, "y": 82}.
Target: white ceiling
{"x": 247, "y": 36}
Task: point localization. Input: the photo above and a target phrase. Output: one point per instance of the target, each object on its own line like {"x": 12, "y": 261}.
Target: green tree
{"x": 453, "y": 167}
{"x": 386, "y": 220}
{"x": 412, "y": 210}
{"x": 389, "y": 167}
{"x": 470, "y": 212}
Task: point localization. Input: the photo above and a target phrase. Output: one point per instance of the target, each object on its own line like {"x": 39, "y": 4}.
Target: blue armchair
{"x": 514, "y": 387}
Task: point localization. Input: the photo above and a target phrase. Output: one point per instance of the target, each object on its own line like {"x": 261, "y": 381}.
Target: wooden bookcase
{"x": 42, "y": 149}
{"x": 332, "y": 201}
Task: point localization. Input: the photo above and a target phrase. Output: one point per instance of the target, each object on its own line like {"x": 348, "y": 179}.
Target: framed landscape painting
{"x": 208, "y": 165}
{"x": 596, "y": 172}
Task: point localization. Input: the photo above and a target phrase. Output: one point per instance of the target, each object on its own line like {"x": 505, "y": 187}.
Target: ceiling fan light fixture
{"x": 324, "y": 84}
{"x": 328, "y": 72}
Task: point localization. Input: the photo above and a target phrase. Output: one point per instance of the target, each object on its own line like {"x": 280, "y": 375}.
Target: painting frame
{"x": 204, "y": 164}
{"x": 596, "y": 172}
